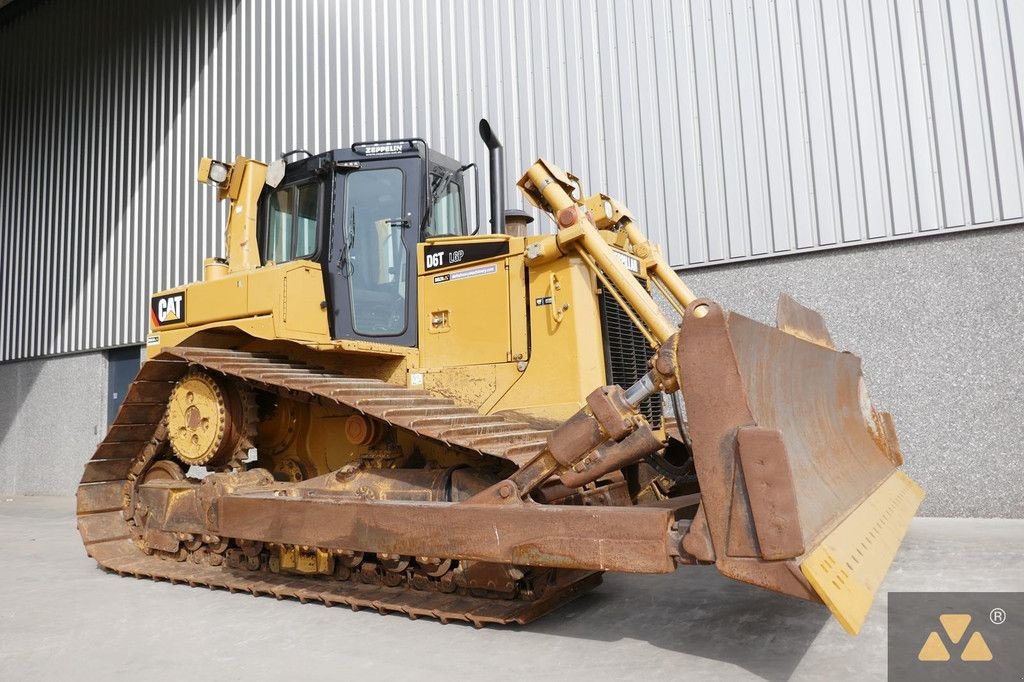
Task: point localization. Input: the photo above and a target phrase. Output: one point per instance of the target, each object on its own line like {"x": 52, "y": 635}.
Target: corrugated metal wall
{"x": 734, "y": 130}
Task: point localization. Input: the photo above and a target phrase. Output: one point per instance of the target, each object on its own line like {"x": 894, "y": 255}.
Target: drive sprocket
{"x": 210, "y": 422}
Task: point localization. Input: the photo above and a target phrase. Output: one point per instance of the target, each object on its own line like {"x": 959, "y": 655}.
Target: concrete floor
{"x": 63, "y": 618}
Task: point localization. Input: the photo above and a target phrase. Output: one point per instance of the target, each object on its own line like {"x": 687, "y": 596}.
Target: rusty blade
{"x": 802, "y": 322}
{"x": 816, "y": 398}
{"x": 738, "y": 374}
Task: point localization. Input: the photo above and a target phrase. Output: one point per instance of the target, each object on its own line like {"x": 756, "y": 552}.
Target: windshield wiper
{"x": 440, "y": 181}
{"x": 347, "y": 242}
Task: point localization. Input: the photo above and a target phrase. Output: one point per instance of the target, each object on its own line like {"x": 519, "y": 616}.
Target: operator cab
{"x": 360, "y": 213}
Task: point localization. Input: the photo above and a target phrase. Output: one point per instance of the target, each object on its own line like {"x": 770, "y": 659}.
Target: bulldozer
{"x": 367, "y": 403}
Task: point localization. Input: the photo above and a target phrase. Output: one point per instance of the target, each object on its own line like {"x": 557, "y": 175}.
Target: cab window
{"x": 446, "y": 212}
{"x": 375, "y": 251}
{"x": 291, "y": 220}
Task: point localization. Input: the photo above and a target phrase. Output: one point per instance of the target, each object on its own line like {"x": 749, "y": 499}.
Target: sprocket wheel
{"x": 209, "y": 421}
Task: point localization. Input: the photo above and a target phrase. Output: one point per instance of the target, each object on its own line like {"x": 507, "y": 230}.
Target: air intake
{"x": 626, "y": 353}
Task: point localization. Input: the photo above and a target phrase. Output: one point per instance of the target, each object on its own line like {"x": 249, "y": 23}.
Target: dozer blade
{"x": 800, "y": 491}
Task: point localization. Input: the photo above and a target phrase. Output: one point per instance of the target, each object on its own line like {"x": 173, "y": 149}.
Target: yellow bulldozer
{"x": 367, "y": 403}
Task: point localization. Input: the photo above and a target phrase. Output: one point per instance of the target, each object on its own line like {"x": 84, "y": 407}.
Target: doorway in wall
{"x": 122, "y": 366}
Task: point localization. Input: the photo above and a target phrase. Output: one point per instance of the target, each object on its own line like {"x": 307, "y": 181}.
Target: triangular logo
{"x": 955, "y": 625}
{"x": 933, "y": 649}
{"x": 976, "y": 649}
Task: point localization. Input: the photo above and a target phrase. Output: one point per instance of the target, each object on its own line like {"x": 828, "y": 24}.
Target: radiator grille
{"x": 626, "y": 353}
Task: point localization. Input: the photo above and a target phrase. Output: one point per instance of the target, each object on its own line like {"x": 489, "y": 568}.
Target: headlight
{"x": 218, "y": 173}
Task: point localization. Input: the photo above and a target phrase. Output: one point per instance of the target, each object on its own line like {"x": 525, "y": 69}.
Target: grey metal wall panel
{"x": 735, "y": 129}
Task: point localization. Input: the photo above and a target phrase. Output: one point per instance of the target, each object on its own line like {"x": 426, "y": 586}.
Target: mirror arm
{"x": 476, "y": 194}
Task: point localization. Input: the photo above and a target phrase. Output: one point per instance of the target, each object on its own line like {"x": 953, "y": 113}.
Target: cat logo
{"x": 955, "y": 625}
{"x": 167, "y": 309}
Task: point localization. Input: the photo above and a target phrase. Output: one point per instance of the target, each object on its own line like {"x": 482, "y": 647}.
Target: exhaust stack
{"x": 497, "y": 176}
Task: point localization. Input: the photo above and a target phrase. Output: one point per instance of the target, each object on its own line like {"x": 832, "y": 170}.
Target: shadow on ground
{"x": 697, "y": 612}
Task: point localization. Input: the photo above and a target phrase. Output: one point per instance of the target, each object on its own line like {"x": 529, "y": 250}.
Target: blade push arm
{"x": 610, "y": 432}
{"x": 799, "y": 487}
{"x": 609, "y": 214}
{"x": 580, "y": 223}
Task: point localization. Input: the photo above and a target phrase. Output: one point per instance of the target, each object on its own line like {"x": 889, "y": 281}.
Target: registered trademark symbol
{"x": 997, "y": 616}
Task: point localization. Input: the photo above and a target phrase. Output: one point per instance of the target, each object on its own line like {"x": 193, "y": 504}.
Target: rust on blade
{"x": 741, "y": 380}
{"x": 626, "y": 539}
{"x": 771, "y": 492}
{"x": 802, "y": 322}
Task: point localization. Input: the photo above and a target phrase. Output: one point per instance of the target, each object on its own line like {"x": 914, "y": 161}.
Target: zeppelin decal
{"x": 436, "y": 256}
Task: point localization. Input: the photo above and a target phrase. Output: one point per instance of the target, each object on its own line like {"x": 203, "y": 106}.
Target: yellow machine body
{"x": 460, "y": 464}
{"x": 500, "y": 340}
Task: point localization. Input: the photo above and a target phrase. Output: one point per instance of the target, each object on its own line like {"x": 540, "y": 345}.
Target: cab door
{"x": 370, "y": 266}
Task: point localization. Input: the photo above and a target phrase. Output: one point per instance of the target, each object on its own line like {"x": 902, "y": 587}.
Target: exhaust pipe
{"x": 497, "y": 175}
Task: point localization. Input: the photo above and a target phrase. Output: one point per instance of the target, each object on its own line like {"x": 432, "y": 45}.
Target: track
{"x": 105, "y": 493}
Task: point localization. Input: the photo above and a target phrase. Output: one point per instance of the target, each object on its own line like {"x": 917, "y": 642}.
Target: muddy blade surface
{"x": 799, "y": 480}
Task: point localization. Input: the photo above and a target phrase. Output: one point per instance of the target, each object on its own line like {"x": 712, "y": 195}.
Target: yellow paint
{"x": 954, "y": 625}
{"x": 472, "y": 385}
{"x": 310, "y": 436}
{"x": 547, "y": 186}
{"x": 677, "y": 292}
{"x": 242, "y": 187}
{"x": 465, "y": 313}
{"x": 542, "y": 250}
{"x": 301, "y": 299}
{"x": 976, "y": 649}
{"x": 300, "y": 440}
{"x": 566, "y": 360}
{"x": 518, "y": 301}
{"x": 848, "y": 566}
{"x": 274, "y": 302}
{"x": 224, "y": 298}
{"x": 485, "y": 342}
{"x": 196, "y": 418}
{"x": 307, "y": 561}
{"x": 933, "y": 649}
{"x": 245, "y": 184}
{"x": 606, "y": 211}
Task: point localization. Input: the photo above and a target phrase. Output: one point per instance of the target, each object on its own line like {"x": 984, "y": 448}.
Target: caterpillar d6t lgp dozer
{"x": 365, "y": 403}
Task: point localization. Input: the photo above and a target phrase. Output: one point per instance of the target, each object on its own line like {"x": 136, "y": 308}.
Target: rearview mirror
{"x": 275, "y": 172}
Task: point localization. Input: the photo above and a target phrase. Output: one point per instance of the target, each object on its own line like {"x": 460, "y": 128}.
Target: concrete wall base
{"x": 52, "y": 416}
{"x": 939, "y": 324}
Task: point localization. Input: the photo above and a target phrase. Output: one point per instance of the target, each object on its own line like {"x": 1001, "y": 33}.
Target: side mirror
{"x": 480, "y": 219}
{"x": 275, "y": 172}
